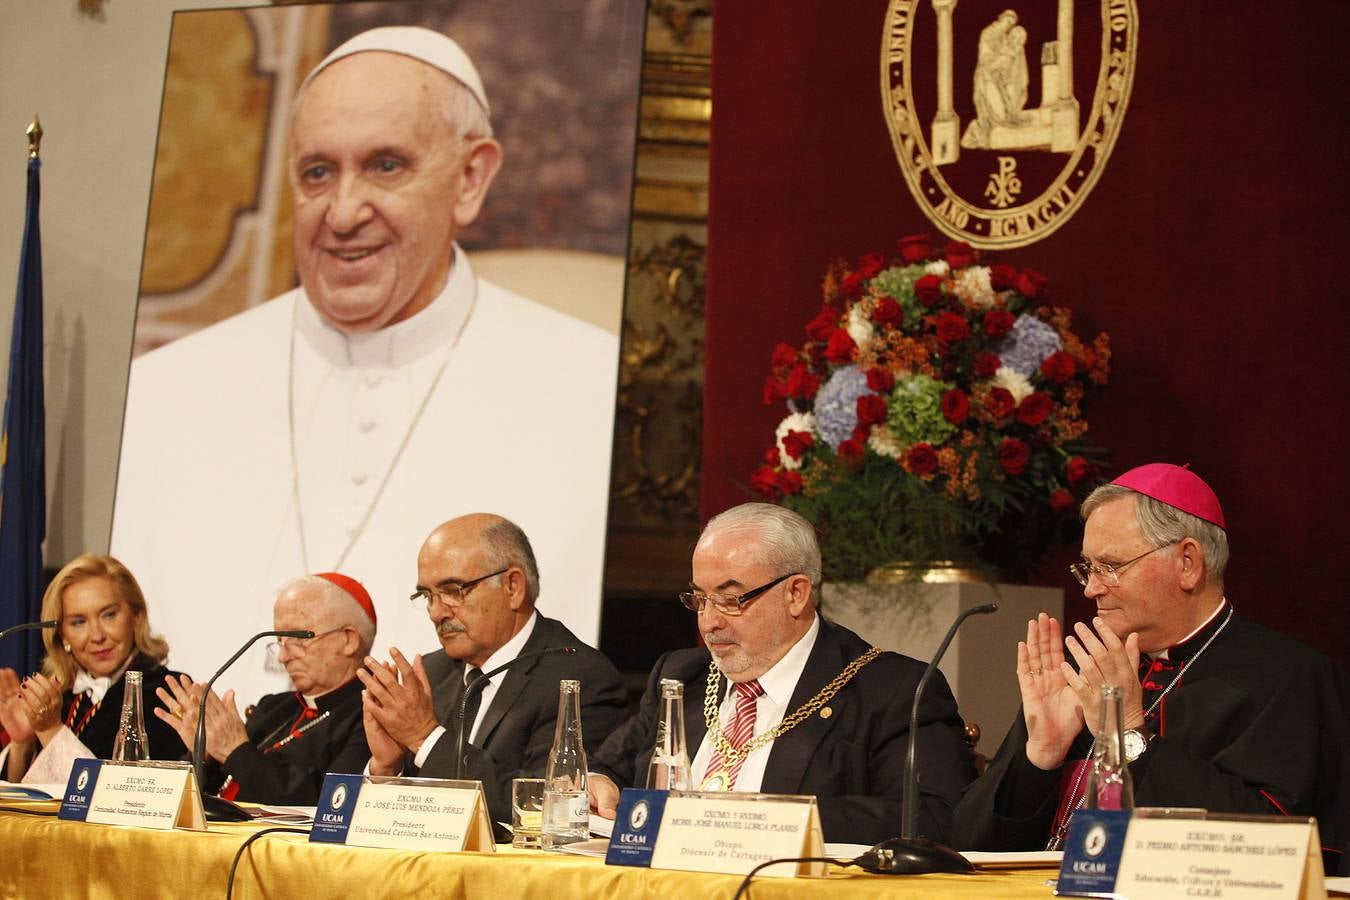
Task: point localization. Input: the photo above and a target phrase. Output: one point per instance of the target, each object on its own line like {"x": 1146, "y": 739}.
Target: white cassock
{"x": 498, "y": 403}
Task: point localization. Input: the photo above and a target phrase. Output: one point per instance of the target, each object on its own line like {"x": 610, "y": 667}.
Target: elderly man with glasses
{"x": 783, "y": 701}
{"x": 291, "y": 740}
{"x": 478, "y": 583}
{"x": 1219, "y": 712}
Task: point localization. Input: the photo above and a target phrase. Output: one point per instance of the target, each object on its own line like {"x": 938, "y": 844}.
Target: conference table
{"x": 46, "y": 857}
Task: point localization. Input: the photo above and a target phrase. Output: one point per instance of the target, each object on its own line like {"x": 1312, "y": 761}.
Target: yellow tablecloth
{"x": 46, "y": 857}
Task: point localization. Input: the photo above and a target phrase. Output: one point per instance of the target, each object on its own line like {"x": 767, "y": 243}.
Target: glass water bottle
{"x": 566, "y": 808}
{"x": 131, "y": 743}
{"x": 1109, "y": 785}
{"x": 669, "y": 767}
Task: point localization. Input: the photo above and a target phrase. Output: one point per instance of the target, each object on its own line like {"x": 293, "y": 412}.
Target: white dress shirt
{"x": 778, "y": 683}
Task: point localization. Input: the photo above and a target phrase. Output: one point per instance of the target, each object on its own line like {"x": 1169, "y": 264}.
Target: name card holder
{"x": 147, "y": 794}
{"x": 1170, "y": 854}
{"x": 731, "y": 833}
{"x": 434, "y": 814}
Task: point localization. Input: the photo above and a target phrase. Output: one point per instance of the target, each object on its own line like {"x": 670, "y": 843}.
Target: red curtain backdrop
{"x": 1213, "y": 250}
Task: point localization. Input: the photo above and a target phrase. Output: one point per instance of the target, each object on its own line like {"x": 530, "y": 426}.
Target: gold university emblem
{"x": 998, "y": 128}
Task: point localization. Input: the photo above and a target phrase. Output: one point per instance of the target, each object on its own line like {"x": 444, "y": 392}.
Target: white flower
{"x": 883, "y": 442}
{"x": 974, "y": 288}
{"x": 794, "y": 422}
{"x": 938, "y": 268}
{"x": 859, "y": 325}
{"x": 1014, "y": 382}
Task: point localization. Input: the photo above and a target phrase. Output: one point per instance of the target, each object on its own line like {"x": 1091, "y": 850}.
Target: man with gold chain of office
{"x": 783, "y": 701}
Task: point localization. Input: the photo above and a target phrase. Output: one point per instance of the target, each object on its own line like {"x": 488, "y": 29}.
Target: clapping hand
{"x": 1104, "y": 659}
{"x": 1051, "y": 706}
{"x": 13, "y": 717}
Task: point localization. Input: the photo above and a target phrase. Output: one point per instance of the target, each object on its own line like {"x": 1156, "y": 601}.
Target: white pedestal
{"x": 980, "y": 665}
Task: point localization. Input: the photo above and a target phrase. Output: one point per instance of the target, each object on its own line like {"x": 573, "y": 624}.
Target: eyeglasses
{"x": 729, "y": 604}
{"x": 1108, "y": 574}
{"x": 297, "y": 646}
{"x": 449, "y": 592}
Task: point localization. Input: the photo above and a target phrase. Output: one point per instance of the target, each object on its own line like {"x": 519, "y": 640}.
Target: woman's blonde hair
{"x": 59, "y": 662}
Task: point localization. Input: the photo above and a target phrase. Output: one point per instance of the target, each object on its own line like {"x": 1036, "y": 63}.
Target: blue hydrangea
{"x": 837, "y": 405}
{"x": 1029, "y": 342}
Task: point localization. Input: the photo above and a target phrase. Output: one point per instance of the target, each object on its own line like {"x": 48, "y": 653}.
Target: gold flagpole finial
{"x": 34, "y": 138}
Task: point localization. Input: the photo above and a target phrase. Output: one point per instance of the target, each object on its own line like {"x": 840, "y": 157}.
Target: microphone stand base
{"x": 912, "y": 856}
{"x": 218, "y": 809}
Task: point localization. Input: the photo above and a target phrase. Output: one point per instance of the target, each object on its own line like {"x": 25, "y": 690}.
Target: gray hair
{"x": 343, "y": 607}
{"x": 787, "y": 541}
{"x": 1164, "y": 524}
{"x": 507, "y": 545}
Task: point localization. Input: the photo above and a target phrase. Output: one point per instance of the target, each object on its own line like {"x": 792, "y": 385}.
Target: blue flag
{"x": 23, "y": 451}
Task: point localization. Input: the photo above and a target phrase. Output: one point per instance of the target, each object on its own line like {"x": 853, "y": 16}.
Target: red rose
{"x": 790, "y": 482}
{"x": 955, "y": 406}
{"x": 959, "y": 254}
{"x": 922, "y": 459}
{"x": 952, "y": 327}
{"x": 880, "y": 380}
{"x": 1061, "y": 500}
{"x": 915, "y": 248}
{"x": 765, "y": 480}
{"x": 773, "y": 391}
{"x": 929, "y": 290}
{"x": 887, "y": 311}
{"x": 1078, "y": 470}
{"x": 871, "y": 409}
{"x": 1035, "y": 409}
{"x": 772, "y": 457}
{"x": 1013, "y": 455}
{"x": 1002, "y": 277}
{"x": 823, "y": 325}
{"x": 784, "y": 355}
{"x": 851, "y": 449}
{"x": 1030, "y": 283}
{"x": 851, "y": 284}
{"x": 870, "y": 265}
{"x": 986, "y": 364}
{"x": 801, "y": 384}
{"x": 796, "y": 443}
{"x": 1059, "y": 367}
{"x": 997, "y": 323}
{"x": 1000, "y": 403}
{"x": 841, "y": 347}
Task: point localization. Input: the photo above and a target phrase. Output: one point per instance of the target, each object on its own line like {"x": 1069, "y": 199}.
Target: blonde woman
{"x": 104, "y": 632}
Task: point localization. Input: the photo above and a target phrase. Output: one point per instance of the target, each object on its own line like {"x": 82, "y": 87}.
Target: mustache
{"x": 449, "y": 626}
{"x": 719, "y": 637}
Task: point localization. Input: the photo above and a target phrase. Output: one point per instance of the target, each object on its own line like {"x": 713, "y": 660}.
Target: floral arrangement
{"x": 935, "y": 412}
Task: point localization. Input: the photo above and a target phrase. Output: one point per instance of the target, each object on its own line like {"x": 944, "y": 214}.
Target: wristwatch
{"x": 1136, "y": 742}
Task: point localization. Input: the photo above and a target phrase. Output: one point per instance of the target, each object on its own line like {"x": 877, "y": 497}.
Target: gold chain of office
{"x": 732, "y": 755}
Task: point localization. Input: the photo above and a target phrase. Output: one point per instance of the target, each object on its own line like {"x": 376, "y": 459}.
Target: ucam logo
{"x": 82, "y": 780}
{"x": 638, "y": 817}
{"x": 1002, "y": 119}
{"x": 339, "y": 797}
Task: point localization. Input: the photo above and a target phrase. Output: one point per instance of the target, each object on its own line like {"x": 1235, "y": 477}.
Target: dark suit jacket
{"x": 517, "y": 731}
{"x": 853, "y": 761}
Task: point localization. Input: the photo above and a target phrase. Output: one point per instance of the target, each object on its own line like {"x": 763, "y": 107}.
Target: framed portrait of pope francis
{"x": 382, "y": 286}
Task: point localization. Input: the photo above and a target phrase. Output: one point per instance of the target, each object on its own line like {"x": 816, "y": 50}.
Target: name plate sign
{"x": 402, "y": 813}
{"x": 732, "y": 833}
{"x": 1237, "y": 858}
{"x": 159, "y": 795}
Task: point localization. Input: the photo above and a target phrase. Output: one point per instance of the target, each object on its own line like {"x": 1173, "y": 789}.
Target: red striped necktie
{"x": 742, "y": 729}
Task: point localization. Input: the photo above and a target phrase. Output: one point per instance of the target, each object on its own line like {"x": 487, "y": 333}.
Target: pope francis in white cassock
{"x": 333, "y": 427}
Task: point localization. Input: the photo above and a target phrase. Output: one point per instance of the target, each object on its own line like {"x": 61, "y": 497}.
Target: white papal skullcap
{"x": 431, "y": 47}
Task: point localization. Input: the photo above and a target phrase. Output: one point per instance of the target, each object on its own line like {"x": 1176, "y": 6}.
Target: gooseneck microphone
{"x": 27, "y": 626}
{"x": 476, "y": 687}
{"x": 199, "y": 745}
{"x": 910, "y": 854}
